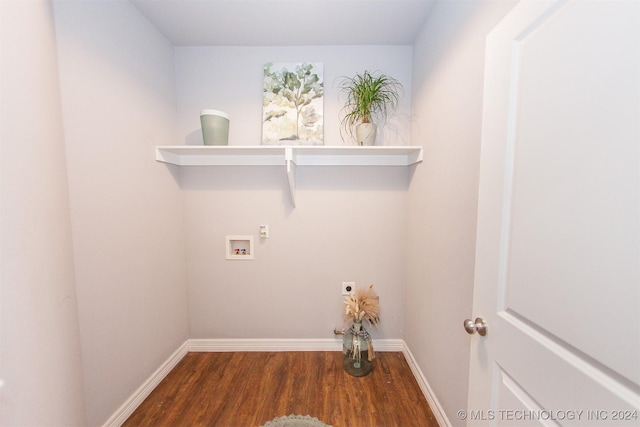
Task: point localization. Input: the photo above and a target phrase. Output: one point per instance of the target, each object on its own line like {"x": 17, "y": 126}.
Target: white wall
{"x": 40, "y": 361}
{"x": 349, "y": 224}
{"x": 448, "y": 70}
{"x": 118, "y": 96}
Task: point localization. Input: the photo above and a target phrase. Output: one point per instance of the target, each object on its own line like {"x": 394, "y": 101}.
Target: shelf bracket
{"x": 291, "y": 173}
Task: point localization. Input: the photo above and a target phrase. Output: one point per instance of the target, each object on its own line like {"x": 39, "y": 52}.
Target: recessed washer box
{"x": 239, "y": 247}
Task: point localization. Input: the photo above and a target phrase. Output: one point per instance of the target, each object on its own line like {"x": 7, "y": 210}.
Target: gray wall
{"x": 40, "y": 347}
{"x": 117, "y": 82}
{"x": 448, "y": 70}
{"x": 349, "y": 224}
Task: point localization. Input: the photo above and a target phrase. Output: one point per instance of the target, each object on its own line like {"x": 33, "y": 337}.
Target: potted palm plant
{"x": 369, "y": 95}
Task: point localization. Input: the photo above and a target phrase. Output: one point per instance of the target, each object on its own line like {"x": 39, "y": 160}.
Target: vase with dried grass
{"x": 357, "y": 348}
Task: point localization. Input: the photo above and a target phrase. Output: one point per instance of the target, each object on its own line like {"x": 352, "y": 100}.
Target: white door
{"x": 557, "y": 275}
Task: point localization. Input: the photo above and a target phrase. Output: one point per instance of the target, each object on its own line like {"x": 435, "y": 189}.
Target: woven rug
{"x": 295, "y": 421}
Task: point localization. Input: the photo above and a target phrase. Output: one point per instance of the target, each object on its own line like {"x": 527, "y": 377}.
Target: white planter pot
{"x": 366, "y": 133}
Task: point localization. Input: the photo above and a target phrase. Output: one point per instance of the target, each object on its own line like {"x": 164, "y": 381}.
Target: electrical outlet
{"x": 348, "y": 288}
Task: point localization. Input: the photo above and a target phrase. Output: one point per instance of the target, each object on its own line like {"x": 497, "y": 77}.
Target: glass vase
{"x": 355, "y": 350}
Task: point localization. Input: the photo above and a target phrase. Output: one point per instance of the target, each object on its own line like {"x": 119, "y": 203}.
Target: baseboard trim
{"x": 434, "y": 404}
{"x": 301, "y": 344}
{"x": 295, "y": 344}
{"x": 125, "y": 411}
{"x": 241, "y": 344}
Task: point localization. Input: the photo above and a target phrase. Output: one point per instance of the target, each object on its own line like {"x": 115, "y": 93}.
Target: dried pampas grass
{"x": 363, "y": 304}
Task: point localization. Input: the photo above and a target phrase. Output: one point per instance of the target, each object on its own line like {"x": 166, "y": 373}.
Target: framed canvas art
{"x": 292, "y": 107}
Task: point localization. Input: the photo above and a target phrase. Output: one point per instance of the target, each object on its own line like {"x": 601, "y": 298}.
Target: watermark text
{"x": 545, "y": 415}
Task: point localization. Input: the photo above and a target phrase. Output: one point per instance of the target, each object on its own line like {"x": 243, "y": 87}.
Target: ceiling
{"x": 286, "y": 22}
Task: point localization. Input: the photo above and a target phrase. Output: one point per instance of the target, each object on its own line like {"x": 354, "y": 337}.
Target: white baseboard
{"x": 228, "y": 345}
{"x": 434, "y": 404}
{"x": 222, "y": 345}
{"x": 296, "y": 344}
{"x": 125, "y": 411}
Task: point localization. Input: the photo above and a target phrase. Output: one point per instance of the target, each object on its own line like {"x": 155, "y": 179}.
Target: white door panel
{"x": 558, "y": 245}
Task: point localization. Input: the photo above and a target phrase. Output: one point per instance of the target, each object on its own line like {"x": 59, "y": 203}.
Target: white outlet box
{"x": 348, "y": 288}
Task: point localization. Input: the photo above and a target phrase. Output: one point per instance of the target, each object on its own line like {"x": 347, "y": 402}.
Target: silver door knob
{"x": 479, "y": 326}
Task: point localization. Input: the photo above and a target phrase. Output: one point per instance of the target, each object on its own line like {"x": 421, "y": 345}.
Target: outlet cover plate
{"x": 348, "y": 288}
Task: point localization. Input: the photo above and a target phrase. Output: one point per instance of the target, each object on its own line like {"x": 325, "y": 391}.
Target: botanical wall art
{"x": 292, "y": 104}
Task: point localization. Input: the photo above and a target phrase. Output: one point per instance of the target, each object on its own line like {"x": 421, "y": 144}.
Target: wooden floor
{"x": 250, "y": 388}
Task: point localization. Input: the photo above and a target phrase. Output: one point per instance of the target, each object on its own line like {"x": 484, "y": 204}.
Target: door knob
{"x": 479, "y": 326}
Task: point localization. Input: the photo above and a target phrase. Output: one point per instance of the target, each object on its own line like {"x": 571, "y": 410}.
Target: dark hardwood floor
{"x": 250, "y": 388}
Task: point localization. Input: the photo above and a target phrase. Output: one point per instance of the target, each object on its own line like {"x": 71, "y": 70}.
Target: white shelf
{"x": 288, "y": 156}
{"x": 221, "y": 155}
